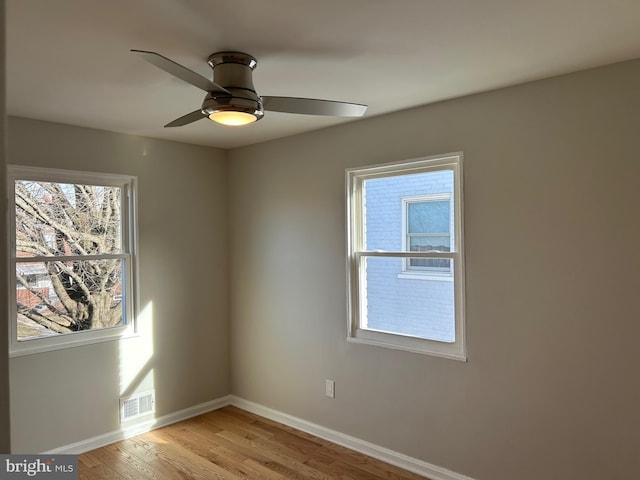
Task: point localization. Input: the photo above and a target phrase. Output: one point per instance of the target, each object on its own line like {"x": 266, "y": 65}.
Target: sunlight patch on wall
{"x": 136, "y": 356}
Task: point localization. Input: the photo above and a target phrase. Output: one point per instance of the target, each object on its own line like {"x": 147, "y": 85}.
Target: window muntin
{"x": 73, "y": 258}
{"x": 412, "y": 311}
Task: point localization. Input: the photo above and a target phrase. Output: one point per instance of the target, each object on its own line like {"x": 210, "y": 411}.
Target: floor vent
{"x": 137, "y": 405}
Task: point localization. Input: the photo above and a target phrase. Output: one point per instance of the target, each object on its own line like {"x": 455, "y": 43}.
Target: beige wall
{"x": 70, "y": 395}
{"x": 4, "y": 364}
{"x": 551, "y": 390}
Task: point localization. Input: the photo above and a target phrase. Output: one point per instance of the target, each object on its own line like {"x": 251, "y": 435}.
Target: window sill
{"x": 452, "y": 351}
{"x": 72, "y": 340}
{"x": 426, "y": 276}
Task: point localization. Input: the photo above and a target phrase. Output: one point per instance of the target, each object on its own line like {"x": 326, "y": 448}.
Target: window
{"x": 72, "y": 256}
{"x": 427, "y": 228}
{"x": 405, "y": 256}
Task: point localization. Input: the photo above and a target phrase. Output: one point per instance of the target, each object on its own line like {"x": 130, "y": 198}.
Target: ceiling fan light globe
{"x": 232, "y": 118}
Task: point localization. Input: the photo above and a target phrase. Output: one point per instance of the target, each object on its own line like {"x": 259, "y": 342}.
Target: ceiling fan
{"x": 231, "y": 97}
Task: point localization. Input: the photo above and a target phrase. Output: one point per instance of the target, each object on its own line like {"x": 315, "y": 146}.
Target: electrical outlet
{"x": 330, "y": 388}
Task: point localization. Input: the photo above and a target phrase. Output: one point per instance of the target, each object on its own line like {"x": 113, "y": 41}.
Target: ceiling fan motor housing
{"x": 234, "y": 72}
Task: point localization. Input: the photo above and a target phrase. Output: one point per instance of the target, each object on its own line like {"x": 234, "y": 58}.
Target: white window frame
{"x": 356, "y": 256}
{"x": 128, "y": 184}
{"x": 422, "y": 273}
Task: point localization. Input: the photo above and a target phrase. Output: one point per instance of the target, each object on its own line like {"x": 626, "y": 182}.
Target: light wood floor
{"x": 231, "y": 444}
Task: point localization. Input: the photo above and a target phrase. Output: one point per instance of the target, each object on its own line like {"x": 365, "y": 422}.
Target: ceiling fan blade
{"x": 187, "y": 119}
{"x": 312, "y": 106}
{"x": 183, "y": 73}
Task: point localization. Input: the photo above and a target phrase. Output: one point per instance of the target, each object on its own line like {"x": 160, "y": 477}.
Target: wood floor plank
{"x": 89, "y": 459}
{"x": 124, "y": 463}
{"x": 255, "y": 469}
{"x": 371, "y": 465}
{"x": 144, "y": 449}
{"x": 279, "y": 457}
{"x": 232, "y": 444}
{"x": 186, "y": 461}
{"x": 221, "y": 456}
{"x": 337, "y": 470}
{"x": 230, "y": 418}
{"x": 99, "y": 472}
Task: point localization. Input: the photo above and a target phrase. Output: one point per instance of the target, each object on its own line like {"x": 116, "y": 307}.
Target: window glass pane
{"x": 428, "y": 217}
{"x": 437, "y": 264}
{"x": 383, "y": 208}
{"x": 402, "y": 306}
{"x": 59, "y": 297}
{"x": 55, "y": 219}
{"x": 429, "y": 243}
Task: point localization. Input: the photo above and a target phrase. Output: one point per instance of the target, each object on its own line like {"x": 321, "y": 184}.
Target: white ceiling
{"x": 68, "y": 60}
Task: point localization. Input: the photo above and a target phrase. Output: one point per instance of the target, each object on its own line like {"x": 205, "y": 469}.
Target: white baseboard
{"x": 141, "y": 427}
{"x": 414, "y": 465}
